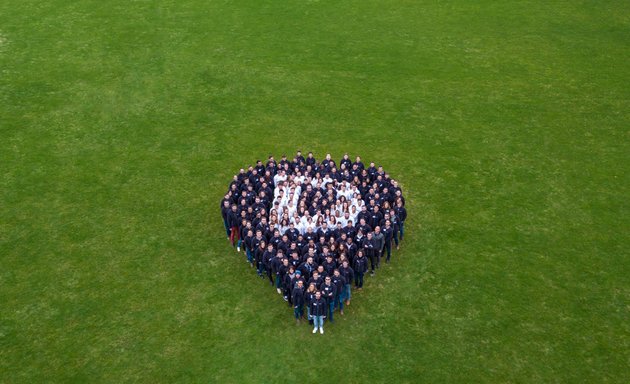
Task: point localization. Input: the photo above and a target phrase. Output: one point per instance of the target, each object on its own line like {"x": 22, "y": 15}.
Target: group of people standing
{"x": 314, "y": 229}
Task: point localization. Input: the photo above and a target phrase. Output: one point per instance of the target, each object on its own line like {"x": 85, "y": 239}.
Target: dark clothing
{"x": 369, "y": 247}
{"x": 307, "y": 269}
{"x": 360, "y": 267}
{"x": 329, "y": 292}
{"x": 339, "y": 282}
{"x": 298, "y": 296}
{"x": 360, "y": 264}
{"x": 318, "y": 307}
{"x": 347, "y": 273}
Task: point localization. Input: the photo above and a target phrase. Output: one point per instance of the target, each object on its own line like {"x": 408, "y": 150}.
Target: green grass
{"x": 122, "y": 123}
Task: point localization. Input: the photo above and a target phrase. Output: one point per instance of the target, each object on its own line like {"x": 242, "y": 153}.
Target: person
{"x": 395, "y": 224}
{"x": 248, "y": 241}
{"x": 360, "y": 268}
{"x": 369, "y": 247}
{"x": 309, "y": 296}
{"x": 329, "y": 291}
{"x": 401, "y": 212}
{"x": 225, "y": 210}
{"x": 286, "y": 284}
{"x": 379, "y": 241}
{"x": 317, "y": 308}
{"x": 298, "y": 301}
{"x": 339, "y": 282}
{"x": 388, "y": 233}
{"x": 279, "y": 265}
{"x": 258, "y": 255}
{"x": 267, "y": 258}
{"x": 233, "y": 221}
{"x": 348, "y": 274}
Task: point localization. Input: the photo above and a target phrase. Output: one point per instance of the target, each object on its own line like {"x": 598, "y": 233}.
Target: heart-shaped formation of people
{"x": 314, "y": 229}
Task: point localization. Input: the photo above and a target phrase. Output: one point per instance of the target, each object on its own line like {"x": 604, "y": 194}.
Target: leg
{"x": 227, "y": 228}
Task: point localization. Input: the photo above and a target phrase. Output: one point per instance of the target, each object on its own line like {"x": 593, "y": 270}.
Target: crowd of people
{"x": 314, "y": 229}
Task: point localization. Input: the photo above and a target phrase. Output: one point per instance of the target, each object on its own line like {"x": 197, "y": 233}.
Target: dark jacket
{"x": 339, "y": 282}
{"x": 308, "y": 297}
{"x": 298, "y": 296}
{"x": 347, "y": 273}
{"x": 233, "y": 219}
{"x": 318, "y": 307}
{"x": 360, "y": 264}
{"x": 329, "y": 292}
{"x": 387, "y": 234}
{"x": 369, "y": 247}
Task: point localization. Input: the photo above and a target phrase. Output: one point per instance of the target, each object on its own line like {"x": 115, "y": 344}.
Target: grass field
{"x": 506, "y": 122}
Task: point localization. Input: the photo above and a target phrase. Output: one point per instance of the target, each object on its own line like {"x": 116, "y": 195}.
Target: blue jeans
{"x": 348, "y": 289}
{"x": 298, "y": 311}
{"x": 331, "y": 309}
{"x": 340, "y": 299}
{"x": 402, "y": 230}
{"x": 318, "y": 321}
{"x": 388, "y": 247}
{"x": 261, "y": 268}
{"x": 358, "y": 279}
{"x": 396, "y": 237}
{"x": 250, "y": 256}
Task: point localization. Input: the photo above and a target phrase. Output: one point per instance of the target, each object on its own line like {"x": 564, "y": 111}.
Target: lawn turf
{"x": 506, "y": 123}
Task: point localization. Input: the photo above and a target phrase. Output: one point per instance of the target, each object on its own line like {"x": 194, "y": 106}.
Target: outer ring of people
{"x": 314, "y": 229}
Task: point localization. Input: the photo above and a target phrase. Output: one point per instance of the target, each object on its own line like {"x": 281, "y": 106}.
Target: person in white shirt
{"x": 280, "y": 176}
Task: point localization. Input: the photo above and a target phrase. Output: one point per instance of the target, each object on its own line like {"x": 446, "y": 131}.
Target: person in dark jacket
{"x": 277, "y": 264}
{"x": 396, "y": 225}
{"x": 258, "y": 255}
{"x": 298, "y": 301}
{"x": 401, "y": 212}
{"x": 268, "y": 256}
{"x": 360, "y": 268}
{"x": 339, "y": 282}
{"x": 233, "y": 219}
{"x": 318, "y": 312}
{"x": 329, "y": 265}
{"x": 249, "y": 237}
{"x": 329, "y": 291}
{"x": 297, "y": 277}
{"x": 225, "y": 209}
{"x": 286, "y": 284}
{"x": 388, "y": 233}
{"x": 369, "y": 247}
{"x": 348, "y": 274}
